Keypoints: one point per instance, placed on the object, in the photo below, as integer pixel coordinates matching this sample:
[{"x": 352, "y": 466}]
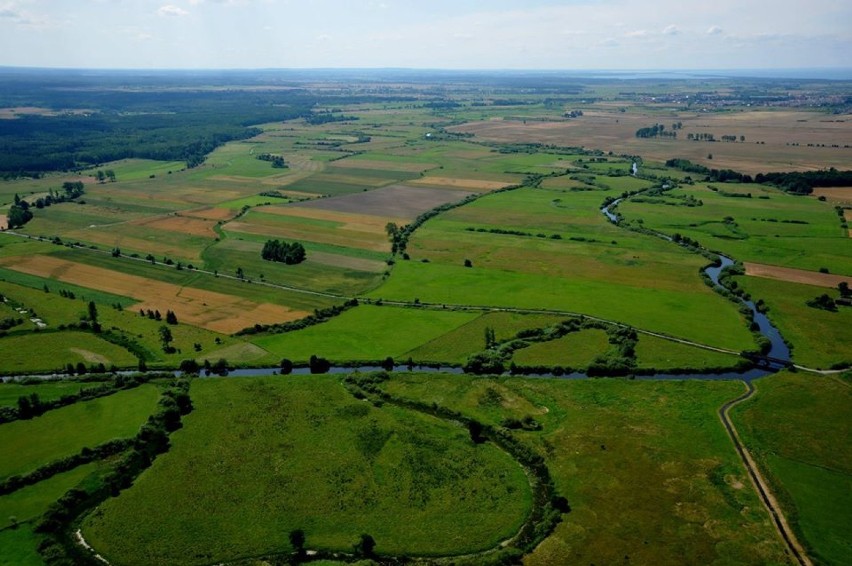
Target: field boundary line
[{"x": 779, "y": 520}]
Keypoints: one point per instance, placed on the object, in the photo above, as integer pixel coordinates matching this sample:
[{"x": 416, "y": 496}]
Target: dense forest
[{"x": 92, "y": 120}]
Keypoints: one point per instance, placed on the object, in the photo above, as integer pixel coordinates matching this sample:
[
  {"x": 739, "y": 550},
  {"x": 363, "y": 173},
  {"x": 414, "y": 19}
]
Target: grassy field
[
  {"x": 797, "y": 428},
  {"x": 770, "y": 227},
  {"x": 18, "y": 547},
  {"x": 63, "y": 432},
  {"x": 662, "y": 354},
  {"x": 25, "y": 353},
  {"x": 646, "y": 466},
  {"x": 455, "y": 346},
  {"x": 366, "y": 333},
  {"x": 300, "y": 452},
  {"x": 820, "y": 338},
  {"x": 30, "y": 502},
  {"x": 46, "y": 391},
  {"x": 576, "y": 350},
  {"x": 603, "y": 271}
]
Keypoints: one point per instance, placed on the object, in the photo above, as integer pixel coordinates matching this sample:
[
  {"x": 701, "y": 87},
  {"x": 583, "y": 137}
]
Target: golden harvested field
[
  {"x": 411, "y": 167},
  {"x": 615, "y": 131},
  {"x": 841, "y": 195},
  {"x": 349, "y": 221},
  {"x": 181, "y": 224},
  {"x": 212, "y": 213},
  {"x": 456, "y": 183},
  {"x": 206, "y": 309},
  {"x": 795, "y": 275},
  {"x": 395, "y": 201}
]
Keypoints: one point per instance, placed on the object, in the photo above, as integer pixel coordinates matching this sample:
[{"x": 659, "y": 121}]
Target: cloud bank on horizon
[{"x": 459, "y": 34}]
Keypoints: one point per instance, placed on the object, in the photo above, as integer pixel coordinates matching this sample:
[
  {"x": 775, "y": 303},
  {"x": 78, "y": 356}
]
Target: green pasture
[
  {"x": 820, "y": 338},
  {"x": 245, "y": 251},
  {"x": 797, "y": 428},
  {"x": 47, "y": 390},
  {"x": 27, "y": 352},
  {"x": 785, "y": 230},
  {"x": 670, "y": 311},
  {"x": 302, "y": 453},
  {"x": 30, "y": 502},
  {"x": 19, "y": 547},
  {"x": 458, "y": 344},
  {"x": 63, "y": 432},
  {"x": 366, "y": 333},
  {"x": 646, "y": 466},
  {"x": 653, "y": 352},
  {"x": 575, "y": 350}
]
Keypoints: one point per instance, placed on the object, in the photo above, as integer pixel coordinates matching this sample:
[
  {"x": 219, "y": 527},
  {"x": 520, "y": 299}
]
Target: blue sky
[{"x": 459, "y": 34}]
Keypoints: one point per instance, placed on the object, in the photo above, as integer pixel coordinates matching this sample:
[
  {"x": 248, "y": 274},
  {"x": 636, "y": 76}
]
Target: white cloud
[
  {"x": 714, "y": 30},
  {"x": 170, "y": 10},
  {"x": 671, "y": 30}
]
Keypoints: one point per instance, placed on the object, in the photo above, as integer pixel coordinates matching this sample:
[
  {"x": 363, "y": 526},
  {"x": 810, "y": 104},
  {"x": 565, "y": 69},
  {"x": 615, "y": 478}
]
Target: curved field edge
[
  {"x": 796, "y": 427},
  {"x": 646, "y": 466},
  {"x": 309, "y": 456}
]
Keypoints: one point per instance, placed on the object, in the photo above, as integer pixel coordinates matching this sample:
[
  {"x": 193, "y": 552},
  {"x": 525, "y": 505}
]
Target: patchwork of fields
[{"x": 442, "y": 235}]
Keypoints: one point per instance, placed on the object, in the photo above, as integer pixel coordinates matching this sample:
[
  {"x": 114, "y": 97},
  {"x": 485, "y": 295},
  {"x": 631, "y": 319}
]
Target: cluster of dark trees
[
  {"x": 319, "y": 316},
  {"x": 319, "y": 118},
  {"x": 276, "y": 250},
  {"x": 797, "y": 182},
  {"x": 10, "y": 322},
  {"x": 657, "y": 130},
  {"x": 276, "y": 160},
  {"x": 803, "y": 182}
]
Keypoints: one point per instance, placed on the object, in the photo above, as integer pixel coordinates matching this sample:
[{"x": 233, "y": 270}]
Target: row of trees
[
  {"x": 276, "y": 250},
  {"x": 657, "y": 130}
]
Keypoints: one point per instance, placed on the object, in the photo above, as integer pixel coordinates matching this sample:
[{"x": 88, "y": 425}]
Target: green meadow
[
  {"x": 63, "y": 432},
  {"x": 797, "y": 428},
  {"x": 309, "y": 456},
  {"x": 366, "y": 332},
  {"x": 639, "y": 461}
]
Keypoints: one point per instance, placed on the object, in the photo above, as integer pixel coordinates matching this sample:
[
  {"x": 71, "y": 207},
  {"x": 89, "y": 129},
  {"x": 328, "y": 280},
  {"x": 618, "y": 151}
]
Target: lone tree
[
  {"x": 297, "y": 541},
  {"x": 171, "y": 317},
  {"x": 365, "y": 546},
  {"x": 843, "y": 287},
  {"x": 166, "y": 339}
]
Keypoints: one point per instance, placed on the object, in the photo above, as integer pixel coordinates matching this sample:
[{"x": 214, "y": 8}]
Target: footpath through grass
[{"x": 797, "y": 427}]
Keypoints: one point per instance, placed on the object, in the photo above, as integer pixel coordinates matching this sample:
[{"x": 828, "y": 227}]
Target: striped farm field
[
  {"x": 181, "y": 224},
  {"x": 395, "y": 201},
  {"x": 357, "y": 222},
  {"x": 206, "y": 309},
  {"x": 460, "y": 183},
  {"x": 373, "y": 164}
]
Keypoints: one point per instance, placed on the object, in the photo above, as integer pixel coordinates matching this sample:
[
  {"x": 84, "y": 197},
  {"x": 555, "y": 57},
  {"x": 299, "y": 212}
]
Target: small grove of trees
[
  {"x": 657, "y": 130},
  {"x": 166, "y": 339},
  {"x": 276, "y": 250},
  {"x": 276, "y": 160},
  {"x": 823, "y": 302}
]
